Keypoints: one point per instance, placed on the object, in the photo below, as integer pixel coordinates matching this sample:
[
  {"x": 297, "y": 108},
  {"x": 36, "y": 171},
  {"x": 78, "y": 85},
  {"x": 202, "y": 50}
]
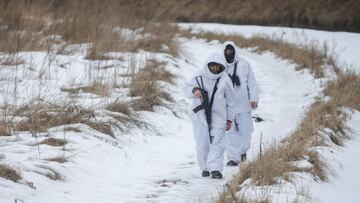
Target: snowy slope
[
  {"x": 343, "y": 162},
  {"x": 149, "y": 166},
  {"x": 160, "y": 166},
  {"x": 344, "y": 44},
  {"x": 345, "y": 185}
]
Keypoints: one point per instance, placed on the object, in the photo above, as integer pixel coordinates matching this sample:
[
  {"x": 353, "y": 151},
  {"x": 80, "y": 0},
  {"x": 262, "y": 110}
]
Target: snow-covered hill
[{"x": 156, "y": 164}]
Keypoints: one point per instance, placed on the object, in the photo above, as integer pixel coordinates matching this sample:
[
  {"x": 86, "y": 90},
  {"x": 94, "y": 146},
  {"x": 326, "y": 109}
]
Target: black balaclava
[{"x": 229, "y": 57}]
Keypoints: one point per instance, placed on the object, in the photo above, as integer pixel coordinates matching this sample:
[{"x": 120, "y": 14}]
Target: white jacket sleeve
[
  {"x": 189, "y": 86},
  {"x": 231, "y": 102},
  {"x": 252, "y": 85}
]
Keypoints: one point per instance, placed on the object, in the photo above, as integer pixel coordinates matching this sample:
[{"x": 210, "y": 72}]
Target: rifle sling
[
  {"x": 213, "y": 93},
  {"x": 234, "y": 74}
]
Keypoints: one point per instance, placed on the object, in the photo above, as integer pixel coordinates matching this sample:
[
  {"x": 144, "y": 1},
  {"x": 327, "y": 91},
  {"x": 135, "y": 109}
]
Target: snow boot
[
  {"x": 216, "y": 175},
  {"x": 205, "y": 174},
  {"x": 231, "y": 163}
]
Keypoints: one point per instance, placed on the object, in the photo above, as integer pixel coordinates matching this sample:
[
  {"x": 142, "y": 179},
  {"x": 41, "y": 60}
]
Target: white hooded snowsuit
[
  {"x": 238, "y": 138},
  {"x": 211, "y": 156}
]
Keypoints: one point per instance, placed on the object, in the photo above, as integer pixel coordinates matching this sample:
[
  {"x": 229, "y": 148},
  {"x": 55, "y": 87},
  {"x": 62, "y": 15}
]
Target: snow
[
  {"x": 345, "y": 185},
  {"x": 158, "y": 164},
  {"x": 148, "y": 166},
  {"x": 345, "y": 45}
]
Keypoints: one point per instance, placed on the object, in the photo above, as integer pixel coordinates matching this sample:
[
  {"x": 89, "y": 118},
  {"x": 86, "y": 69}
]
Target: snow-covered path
[
  {"x": 173, "y": 171},
  {"x": 163, "y": 168}
]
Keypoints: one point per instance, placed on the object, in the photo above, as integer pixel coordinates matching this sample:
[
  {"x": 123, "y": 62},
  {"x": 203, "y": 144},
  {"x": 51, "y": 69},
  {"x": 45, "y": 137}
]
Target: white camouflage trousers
[
  {"x": 210, "y": 156},
  {"x": 238, "y": 140}
]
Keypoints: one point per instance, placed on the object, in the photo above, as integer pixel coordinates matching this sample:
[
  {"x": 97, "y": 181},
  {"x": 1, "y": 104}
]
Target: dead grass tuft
[
  {"x": 119, "y": 107},
  {"x": 5, "y": 128},
  {"x": 8, "y": 173},
  {"x": 54, "y": 176},
  {"x": 40, "y": 117},
  {"x": 74, "y": 129},
  {"x": 59, "y": 158},
  {"x": 54, "y": 142},
  {"x": 320, "y": 115},
  {"x": 345, "y": 89},
  {"x": 320, "y": 168},
  {"x": 96, "y": 88},
  {"x": 161, "y": 38},
  {"x": 144, "y": 84},
  {"x": 102, "y": 127},
  {"x": 11, "y": 61},
  {"x": 268, "y": 168}
]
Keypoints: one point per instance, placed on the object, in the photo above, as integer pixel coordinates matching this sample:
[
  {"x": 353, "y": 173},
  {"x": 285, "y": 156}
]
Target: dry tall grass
[
  {"x": 98, "y": 88},
  {"x": 107, "y": 24},
  {"x": 121, "y": 107},
  {"x": 5, "y": 128},
  {"x": 54, "y": 142},
  {"x": 345, "y": 89},
  {"x": 32, "y": 25},
  {"x": 309, "y": 56},
  {"x": 9, "y": 173},
  {"x": 38, "y": 117},
  {"x": 145, "y": 84},
  {"x": 319, "y": 14},
  {"x": 277, "y": 160},
  {"x": 59, "y": 158}
]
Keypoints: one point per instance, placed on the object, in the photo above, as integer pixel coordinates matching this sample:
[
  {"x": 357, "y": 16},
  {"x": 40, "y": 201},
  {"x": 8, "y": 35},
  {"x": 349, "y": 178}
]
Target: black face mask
[{"x": 230, "y": 57}]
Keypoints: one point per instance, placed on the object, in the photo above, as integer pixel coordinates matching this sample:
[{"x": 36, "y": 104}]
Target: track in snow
[{"x": 153, "y": 168}]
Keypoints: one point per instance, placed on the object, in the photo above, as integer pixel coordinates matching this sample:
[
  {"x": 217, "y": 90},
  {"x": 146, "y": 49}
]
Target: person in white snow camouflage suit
[
  {"x": 209, "y": 132},
  {"x": 238, "y": 138}
]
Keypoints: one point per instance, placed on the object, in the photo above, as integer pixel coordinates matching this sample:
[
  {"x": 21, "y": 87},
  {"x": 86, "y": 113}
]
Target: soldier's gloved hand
[
  {"x": 228, "y": 125},
  {"x": 197, "y": 93}
]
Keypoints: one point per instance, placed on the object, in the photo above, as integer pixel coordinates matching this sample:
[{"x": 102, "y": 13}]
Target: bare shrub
[{"x": 8, "y": 173}]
